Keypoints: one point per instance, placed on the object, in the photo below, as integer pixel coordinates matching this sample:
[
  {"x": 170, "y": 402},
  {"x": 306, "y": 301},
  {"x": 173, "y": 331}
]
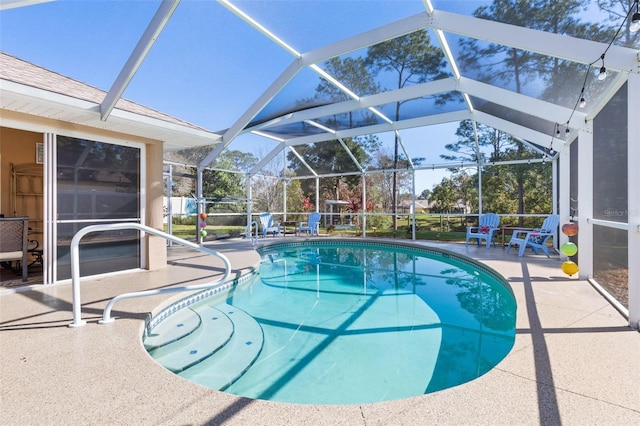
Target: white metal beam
[
  {"x": 253, "y": 110},
  {"x": 484, "y": 118},
  {"x": 382, "y": 128},
  {"x": 524, "y": 38},
  {"x": 149, "y": 37},
  {"x": 261, "y": 28},
  {"x": 556, "y": 45},
  {"x": 522, "y": 103},
  {"x": 302, "y": 160},
  {"x": 389, "y": 97},
  {"x": 353, "y": 158},
  {"x": 446, "y": 50},
  {"x": 368, "y": 38},
  {"x": 12, "y": 4},
  {"x": 525, "y": 104},
  {"x": 404, "y": 149},
  {"x": 513, "y": 129},
  {"x": 604, "y": 98},
  {"x": 314, "y": 67},
  {"x": 267, "y": 158}
]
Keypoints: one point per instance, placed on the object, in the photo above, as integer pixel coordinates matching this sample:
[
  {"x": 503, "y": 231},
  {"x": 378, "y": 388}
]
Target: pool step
[
  {"x": 227, "y": 365},
  {"x": 213, "y": 333},
  {"x": 179, "y": 325}
]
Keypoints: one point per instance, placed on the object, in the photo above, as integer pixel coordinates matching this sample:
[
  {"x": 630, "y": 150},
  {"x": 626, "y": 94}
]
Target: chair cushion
[
  {"x": 11, "y": 255},
  {"x": 537, "y": 238}
]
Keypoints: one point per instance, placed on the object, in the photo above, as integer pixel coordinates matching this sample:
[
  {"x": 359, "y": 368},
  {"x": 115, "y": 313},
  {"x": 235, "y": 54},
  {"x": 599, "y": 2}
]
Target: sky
[{"x": 208, "y": 66}]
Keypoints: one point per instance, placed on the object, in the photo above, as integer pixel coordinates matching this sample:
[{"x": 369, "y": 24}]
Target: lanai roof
[{"x": 282, "y": 51}]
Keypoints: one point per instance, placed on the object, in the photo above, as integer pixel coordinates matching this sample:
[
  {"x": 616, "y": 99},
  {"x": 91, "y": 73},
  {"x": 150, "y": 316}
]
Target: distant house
[{"x": 420, "y": 206}]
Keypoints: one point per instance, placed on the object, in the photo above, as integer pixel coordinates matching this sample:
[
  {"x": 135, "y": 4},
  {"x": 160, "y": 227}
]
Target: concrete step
[
  {"x": 227, "y": 365},
  {"x": 177, "y": 326},
  {"x": 214, "y": 332}
]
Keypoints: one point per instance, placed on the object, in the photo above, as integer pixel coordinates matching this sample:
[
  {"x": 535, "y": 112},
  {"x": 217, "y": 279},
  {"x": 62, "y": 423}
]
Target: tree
[
  {"x": 499, "y": 63},
  {"x": 617, "y": 10},
  {"x": 413, "y": 60},
  {"x": 516, "y": 70},
  {"x": 182, "y": 176},
  {"x": 444, "y": 196},
  {"x": 330, "y": 157},
  {"x": 557, "y": 80},
  {"x": 295, "y": 196},
  {"x": 505, "y": 189},
  {"x": 216, "y": 183},
  {"x": 425, "y": 194},
  {"x": 353, "y": 74},
  {"x": 385, "y": 182},
  {"x": 224, "y": 184}
]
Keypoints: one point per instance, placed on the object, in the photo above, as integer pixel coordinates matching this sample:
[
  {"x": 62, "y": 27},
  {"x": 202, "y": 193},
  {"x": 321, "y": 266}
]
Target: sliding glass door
[{"x": 97, "y": 183}]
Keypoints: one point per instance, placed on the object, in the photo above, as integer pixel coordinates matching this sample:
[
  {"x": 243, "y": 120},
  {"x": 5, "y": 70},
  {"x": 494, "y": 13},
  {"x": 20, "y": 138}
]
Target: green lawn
[
  {"x": 427, "y": 228},
  {"x": 188, "y": 232}
]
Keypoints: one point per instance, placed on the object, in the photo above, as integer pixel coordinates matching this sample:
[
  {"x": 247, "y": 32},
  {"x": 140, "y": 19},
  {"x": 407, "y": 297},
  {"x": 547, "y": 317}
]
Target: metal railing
[{"x": 106, "y": 317}]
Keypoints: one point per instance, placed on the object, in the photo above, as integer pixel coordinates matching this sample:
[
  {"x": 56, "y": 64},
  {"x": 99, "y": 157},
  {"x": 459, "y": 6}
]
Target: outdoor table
[{"x": 291, "y": 224}]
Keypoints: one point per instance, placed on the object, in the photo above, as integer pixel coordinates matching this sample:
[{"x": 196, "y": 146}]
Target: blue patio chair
[
  {"x": 311, "y": 226},
  {"x": 488, "y": 224},
  {"x": 536, "y": 239},
  {"x": 266, "y": 220}
]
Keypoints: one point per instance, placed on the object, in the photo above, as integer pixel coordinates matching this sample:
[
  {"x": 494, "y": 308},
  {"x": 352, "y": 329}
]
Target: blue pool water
[{"x": 344, "y": 323}]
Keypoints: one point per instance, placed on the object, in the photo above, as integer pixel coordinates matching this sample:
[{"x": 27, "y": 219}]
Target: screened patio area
[
  {"x": 400, "y": 115},
  {"x": 524, "y": 109},
  {"x": 519, "y": 109}
]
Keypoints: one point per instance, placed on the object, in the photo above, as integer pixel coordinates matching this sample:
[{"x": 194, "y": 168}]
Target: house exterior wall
[
  {"x": 156, "y": 246},
  {"x": 19, "y": 134}
]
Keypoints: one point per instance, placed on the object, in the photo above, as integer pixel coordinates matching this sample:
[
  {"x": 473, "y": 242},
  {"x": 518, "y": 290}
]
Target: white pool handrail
[{"x": 106, "y": 317}]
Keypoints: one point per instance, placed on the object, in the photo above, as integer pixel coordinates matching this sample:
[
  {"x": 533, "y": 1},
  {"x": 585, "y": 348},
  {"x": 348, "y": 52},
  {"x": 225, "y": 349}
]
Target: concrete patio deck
[{"x": 575, "y": 361}]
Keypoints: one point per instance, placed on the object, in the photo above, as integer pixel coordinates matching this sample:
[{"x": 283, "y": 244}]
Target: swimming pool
[{"x": 342, "y": 322}]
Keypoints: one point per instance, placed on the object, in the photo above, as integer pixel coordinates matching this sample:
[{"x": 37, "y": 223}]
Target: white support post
[
  {"x": 169, "y": 203},
  {"x": 284, "y": 199},
  {"x": 199, "y": 207},
  {"x": 50, "y": 236},
  {"x": 413, "y": 204},
  {"x": 585, "y": 202},
  {"x": 633, "y": 198},
  {"x": 317, "y": 194},
  {"x": 479, "y": 167},
  {"x": 284, "y": 185},
  {"x": 563, "y": 200},
  {"x": 479, "y": 190},
  {"x": 364, "y": 204},
  {"x": 554, "y": 202},
  {"x": 249, "y": 200}
]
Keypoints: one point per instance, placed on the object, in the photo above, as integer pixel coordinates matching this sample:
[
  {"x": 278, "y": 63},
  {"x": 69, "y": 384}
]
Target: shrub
[{"x": 379, "y": 222}]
